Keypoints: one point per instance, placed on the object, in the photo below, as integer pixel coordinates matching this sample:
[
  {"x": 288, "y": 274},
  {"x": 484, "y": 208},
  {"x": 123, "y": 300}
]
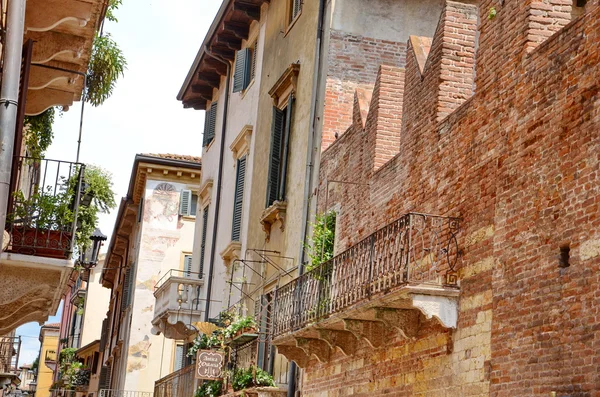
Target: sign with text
[{"x": 209, "y": 364}]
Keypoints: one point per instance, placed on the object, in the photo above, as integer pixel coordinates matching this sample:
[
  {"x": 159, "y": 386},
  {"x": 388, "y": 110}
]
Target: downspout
[
  {"x": 310, "y": 160},
  {"x": 213, "y": 245},
  {"x": 9, "y": 98}
]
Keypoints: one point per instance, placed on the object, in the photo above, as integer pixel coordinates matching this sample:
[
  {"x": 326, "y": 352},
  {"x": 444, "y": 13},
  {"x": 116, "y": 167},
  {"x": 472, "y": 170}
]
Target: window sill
[
  {"x": 245, "y": 91},
  {"x": 231, "y": 252},
  {"x": 209, "y": 145},
  {"x": 271, "y": 215},
  {"x": 189, "y": 218},
  {"x": 292, "y": 23}
]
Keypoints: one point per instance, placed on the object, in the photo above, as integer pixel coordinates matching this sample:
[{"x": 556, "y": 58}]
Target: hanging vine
[
  {"x": 107, "y": 64},
  {"x": 39, "y": 133}
]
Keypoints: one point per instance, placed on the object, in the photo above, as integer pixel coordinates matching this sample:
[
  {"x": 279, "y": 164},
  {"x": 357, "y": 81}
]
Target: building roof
[
  {"x": 52, "y": 325},
  {"x": 171, "y": 156}
]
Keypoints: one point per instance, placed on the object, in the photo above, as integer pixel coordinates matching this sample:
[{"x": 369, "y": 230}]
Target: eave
[{"x": 224, "y": 38}]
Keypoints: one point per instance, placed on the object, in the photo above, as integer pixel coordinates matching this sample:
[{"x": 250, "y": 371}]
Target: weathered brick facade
[{"x": 513, "y": 150}]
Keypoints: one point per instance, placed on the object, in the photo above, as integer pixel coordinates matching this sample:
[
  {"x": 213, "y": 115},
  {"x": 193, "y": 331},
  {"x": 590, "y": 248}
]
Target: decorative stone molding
[
  {"x": 343, "y": 340},
  {"x": 271, "y": 215},
  {"x": 206, "y": 193},
  {"x": 374, "y": 332},
  {"x": 241, "y": 144},
  {"x": 443, "y": 308},
  {"x": 285, "y": 85},
  {"x": 231, "y": 252},
  {"x": 41, "y": 16},
  {"x": 404, "y": 320}
]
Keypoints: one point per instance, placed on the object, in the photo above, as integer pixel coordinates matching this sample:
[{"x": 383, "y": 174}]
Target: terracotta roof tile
[
  {"x": 54, "y": 325},
  {"x": 171, "y": 156}
]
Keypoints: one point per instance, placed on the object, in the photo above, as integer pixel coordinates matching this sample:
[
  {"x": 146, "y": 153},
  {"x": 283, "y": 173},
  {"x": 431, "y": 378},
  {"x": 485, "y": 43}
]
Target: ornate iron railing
[
  {"x": 43, "y": 207},
  {"x": 415, "y": 249},
  {"x": 178, "y": 383}
]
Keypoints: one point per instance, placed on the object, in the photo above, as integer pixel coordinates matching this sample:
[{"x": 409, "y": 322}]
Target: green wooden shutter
[
  {"x": 243, "y": 68},
  {"x": 185, "y": 202},
  {"x": 297, "y": 7},
  {"x": 104, "y": 334},
  {"x": 187, "y": 265},
  {"x": 275, "y": 157},
  {"x": 203, "y": 241},
  {"x": 210, "y": 121},
  {"x": 238, "y": 199}
]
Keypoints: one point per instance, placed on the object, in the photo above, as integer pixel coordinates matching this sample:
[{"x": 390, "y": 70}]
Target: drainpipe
[
  {"x": 9, "y": 98},
  {"x": 310, "y": 162},
  {"x": 213, "y": 245}
]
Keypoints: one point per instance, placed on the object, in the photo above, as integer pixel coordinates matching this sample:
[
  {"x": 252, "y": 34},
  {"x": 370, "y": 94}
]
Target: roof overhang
[{"x": 224, "y": 38}]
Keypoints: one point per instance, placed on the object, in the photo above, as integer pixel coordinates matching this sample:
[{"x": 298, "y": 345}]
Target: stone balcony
[
  {"x": 176, "y": 304},
  {"x": 391, "y": 282}
]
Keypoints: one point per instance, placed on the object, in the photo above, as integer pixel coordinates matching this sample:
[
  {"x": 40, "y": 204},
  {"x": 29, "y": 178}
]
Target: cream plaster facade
[{"x": 96, "y": 304}]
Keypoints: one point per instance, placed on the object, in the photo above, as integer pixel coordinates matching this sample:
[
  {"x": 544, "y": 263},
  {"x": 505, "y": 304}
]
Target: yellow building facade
[{"x": 49, "y": 335}]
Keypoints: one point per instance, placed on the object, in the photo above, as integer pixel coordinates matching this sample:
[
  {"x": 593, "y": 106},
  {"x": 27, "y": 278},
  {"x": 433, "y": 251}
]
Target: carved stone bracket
[
  {"x": 318, "y": 347},
  {"x": 344, "y": 340},
  {"x": 374, "y": 332},
  {"x": 241, "y": 144},
  {"x": 405, "y": 320},
  {"x": 294, "y": 354},
  {"x": 443, "y": 308},
  {"x": 271, "y": 215}
]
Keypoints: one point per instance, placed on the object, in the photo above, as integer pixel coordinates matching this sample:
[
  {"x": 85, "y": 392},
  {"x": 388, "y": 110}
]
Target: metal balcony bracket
[
  {"x": 374, "y": 332},
  {"x": 404, "y": 320},
  {"x": 343, "y": 340},
  {"x": 294, "y": 354},
  {"x": 317, "y": 347},
  {"x": 443, "y": 308}
]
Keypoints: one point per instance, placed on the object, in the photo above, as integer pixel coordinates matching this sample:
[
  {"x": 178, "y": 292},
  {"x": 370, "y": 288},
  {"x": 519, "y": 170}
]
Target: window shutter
[
  {"x": 238, "y": 199},
  {"x": 141, "y": 210},
  {"x": 254, "y": 56},
  {"x": 104, "y": 335},
  {"x": 125, "y": 294},
  {"x": 105, "y": 375},
  {"x": 203, "y": 241},
  {"x": 243, "y": 65},
  {"x": 210, "y": 121},
  {"x": 178, "y": 357},
  {"x": 275, "y": 157},
  {"x": 185, "y": 202},
  {"x": 187, "y": 265},
  {"x": 297, "y": 6}
]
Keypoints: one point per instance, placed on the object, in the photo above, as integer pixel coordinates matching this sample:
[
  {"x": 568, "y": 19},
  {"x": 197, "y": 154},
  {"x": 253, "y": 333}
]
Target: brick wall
[
  {"x": 353, "y": 63},
  {"x": 519, "y": 163}
]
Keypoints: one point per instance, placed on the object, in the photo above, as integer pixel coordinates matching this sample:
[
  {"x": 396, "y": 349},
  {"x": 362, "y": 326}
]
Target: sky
[{"x": 160, "y": 39}]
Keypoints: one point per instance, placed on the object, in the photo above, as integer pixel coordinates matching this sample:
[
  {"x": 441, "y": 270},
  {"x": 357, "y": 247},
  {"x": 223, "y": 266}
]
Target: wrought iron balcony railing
[
  {"x": 43, "y": 207},
  {"x": 417, "y": 249},
  {"x": 178, "y": 383}
]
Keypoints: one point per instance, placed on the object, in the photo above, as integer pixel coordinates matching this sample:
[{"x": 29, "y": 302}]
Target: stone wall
[{"x": 518, "y": 162}]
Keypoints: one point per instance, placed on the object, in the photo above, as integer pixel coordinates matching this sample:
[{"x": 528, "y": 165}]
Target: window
[
  {"x": 187, "y": 265},
  {"x": 188, "y": 203},
  {"x": 179, "y": 357},
  {"x": 203, "y": 241},
  {"x": 280, "y": 135},
  {"x": 245, "y": 68},
  {"x": 210, "y": 121},
  {"x": 295, "y": 8},
  {"x": 240, "y": 177}
]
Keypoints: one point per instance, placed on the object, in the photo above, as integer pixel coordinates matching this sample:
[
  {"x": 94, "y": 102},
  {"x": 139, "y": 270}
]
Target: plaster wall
[
  {"x": 45, "y": 373},
  {"x": 96, "y": 305},
  {"x": 242, "y": 112},
  {"x": 164, "y": 237}
]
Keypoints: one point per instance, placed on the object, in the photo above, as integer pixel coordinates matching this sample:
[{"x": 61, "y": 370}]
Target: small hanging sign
[{"x": 209, "y": 364}]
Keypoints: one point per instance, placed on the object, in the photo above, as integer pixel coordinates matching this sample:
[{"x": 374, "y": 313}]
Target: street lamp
[{"x": 88, "y": 259}]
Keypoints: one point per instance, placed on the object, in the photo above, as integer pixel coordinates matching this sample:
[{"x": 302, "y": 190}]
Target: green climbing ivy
[
  {"x": 321, "y": 244},
  {"x": 39, "y": 133},
  {"x": 107, "y": 65}
]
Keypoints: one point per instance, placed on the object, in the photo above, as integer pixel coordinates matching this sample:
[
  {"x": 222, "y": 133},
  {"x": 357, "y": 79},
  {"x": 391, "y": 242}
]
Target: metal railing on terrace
[
  {"x": 417, "y": 249},
  {"x": 176, "y": 384},
  {"x": 43, "y": 207}
]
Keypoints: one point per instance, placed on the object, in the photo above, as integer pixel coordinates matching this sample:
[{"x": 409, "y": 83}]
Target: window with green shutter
[
  {"x": 243, "y": 69},
  {"x": 295, "y": 8},
  {"x": 203, "y": 241},
  {"x": 210, "y": 121},
  {"x": 238, "y": 199},
  {"x": 280, "y": 135},
  {"x": 187, "y": 265}
]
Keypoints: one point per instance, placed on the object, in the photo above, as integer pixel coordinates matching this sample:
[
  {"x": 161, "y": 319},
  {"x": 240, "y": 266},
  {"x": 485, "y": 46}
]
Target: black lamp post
[{"x": 89, "y": 258}]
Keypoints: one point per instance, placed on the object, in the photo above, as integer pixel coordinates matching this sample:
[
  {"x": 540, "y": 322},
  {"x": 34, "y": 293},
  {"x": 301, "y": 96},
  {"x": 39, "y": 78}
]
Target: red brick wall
[
  {"x": 353, "y": 63},
  {"x": 519, "y": 162}
]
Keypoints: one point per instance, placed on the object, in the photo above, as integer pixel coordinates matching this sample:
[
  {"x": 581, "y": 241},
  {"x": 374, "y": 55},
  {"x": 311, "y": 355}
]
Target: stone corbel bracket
[
  {"x": 404, "y": 320},
  {"x": 443, "y": 308},
  {"x": 317, "y": 347},
  {"x": 346, "y": 341},
  {"x": 44, "y": 15},
  {"x": 294, "y": 354},
  {"x": 374, "y": 332},
  {"x": 231, "y": 252},
  {"x": 271, "y": 215}
]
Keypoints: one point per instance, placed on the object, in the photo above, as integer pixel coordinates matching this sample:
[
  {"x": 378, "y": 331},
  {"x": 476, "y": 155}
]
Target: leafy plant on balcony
[
  {"x": 43, "y": 210},
  {"x": 244, "y": 378},
  {"x": 204, "y": 341},
  {"x": 211, "y": 388},
  {"x": 107, "y": 65},
  {"x": 239, "y": 324},
  {"x": 39, "y": 134},
  {"x": 321, "y": 244}
]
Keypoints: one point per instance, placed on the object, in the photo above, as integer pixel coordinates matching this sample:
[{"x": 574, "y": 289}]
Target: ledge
[
  {"x": 287, "y": 81},
  {"x": 231, "y": 252},
  {"x": 241, "y": 144},
  {"x": 205, "y": 193},
  {"x": 271, "y": 215}
]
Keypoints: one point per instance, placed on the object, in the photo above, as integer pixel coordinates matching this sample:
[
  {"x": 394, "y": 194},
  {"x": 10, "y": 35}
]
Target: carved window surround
[
  {"x": 287, "y": 83},
  {"x": 231, "y": 252},
  {"x": 241, "y": 144},
  {"x": 271, "y": 215},
  {"x": 206, "y": 193}
]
